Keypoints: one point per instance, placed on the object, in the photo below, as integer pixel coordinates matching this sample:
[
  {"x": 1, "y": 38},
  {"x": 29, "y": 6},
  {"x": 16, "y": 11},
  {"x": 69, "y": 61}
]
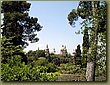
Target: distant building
[
  {"x": 54, "y": 51},
  {"x": 47, "y": 50},
  {"x": 38, "y": 49},
  {"x": 74, "y": 53},
  {"x": 63, "y": 50}
]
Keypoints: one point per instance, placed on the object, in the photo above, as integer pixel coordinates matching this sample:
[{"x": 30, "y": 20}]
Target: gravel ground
[{"x": 72, "y": 77}]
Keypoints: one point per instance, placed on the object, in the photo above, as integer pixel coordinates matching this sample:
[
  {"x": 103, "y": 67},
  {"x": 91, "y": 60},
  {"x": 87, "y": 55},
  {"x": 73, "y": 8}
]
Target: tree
[
  {"x": 101, "y": 59},
  {"x": 17, "y": 27},
  {"x": 78, "y": 56},
  {"x": 8, "y": 51},
  {"x": 34, "y": 55},
  {"x": 51, "y": 67},
  {"x": 90, "y": 73},
  {"x": 18, "y": 23},
  {"x": 85, "y": 46},
  {"x": 42, "y": 61},
  {"x": 40, "y": 53},
  {"x": 93, "y": 14}
]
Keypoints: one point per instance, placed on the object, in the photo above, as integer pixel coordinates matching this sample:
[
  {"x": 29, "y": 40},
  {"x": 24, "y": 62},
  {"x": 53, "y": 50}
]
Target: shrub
[
  {"x": 51, "y": 67},
  {"x": 26, "y": 73}
]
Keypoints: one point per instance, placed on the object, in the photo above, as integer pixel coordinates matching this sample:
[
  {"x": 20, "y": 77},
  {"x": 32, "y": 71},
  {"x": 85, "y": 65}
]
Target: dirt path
[{"x": 71, "y": 77}]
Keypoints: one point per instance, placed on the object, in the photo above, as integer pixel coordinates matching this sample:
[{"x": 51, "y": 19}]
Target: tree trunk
[
  {"x": 90, "y": 71},
  {"x": 91, "y": 64}
]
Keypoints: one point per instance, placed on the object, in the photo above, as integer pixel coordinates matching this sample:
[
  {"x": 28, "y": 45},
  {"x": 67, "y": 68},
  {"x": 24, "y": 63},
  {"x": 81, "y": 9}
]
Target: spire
[
  {"x": 62, "y": 45},
  {"x": 47, "y": 46},
  {"x": 47, "y": 49},
  {"x": 63, "y": 51},
  {"x": 54, "y": 50},
  {"x": 38, "y": 48},
  {"x": 65, "y": 46}
]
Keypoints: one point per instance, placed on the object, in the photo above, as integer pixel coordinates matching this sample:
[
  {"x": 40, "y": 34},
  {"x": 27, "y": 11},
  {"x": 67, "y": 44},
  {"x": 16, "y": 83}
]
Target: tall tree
[
  {"x": 91, "y": 13},
  {"x": 101, "y": 61},
  {"x": 17, "y": 28},
  {"x": 18, "y": 23},
  {"x": 85, "y": 46},
  {"x": 91, "y": 64},
  {"x": 78, "y": 56}
]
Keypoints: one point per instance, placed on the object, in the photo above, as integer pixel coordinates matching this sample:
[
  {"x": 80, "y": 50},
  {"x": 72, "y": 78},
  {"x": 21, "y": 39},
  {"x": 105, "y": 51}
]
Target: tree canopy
[
  {"x": 18, "y": 24},
  {"x": 94, "y": 15}
]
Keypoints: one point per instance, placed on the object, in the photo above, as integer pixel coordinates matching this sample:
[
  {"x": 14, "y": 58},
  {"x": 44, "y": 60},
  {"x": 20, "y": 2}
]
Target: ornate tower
[
  {"x": 63, "y": 50},
  {"x": 47, "y": 49},
  {"x": 38, "y": 49},
  {"x": 54, "y": 50}
]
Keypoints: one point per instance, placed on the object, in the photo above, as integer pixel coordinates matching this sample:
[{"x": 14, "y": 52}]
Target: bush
[
  {"x": 42, "y": 61},
  {"x": 51, "y": 67},
  {"x": 26, "y": 73},
  {"x": 71, "y": 69},
  {"x": 14, "y": 70}
]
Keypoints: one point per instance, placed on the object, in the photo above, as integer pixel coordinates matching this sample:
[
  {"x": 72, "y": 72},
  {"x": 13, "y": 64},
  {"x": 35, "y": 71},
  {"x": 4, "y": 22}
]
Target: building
[
  {"x": 47, "y": 50},
  {"x": 63, "y": 50}
]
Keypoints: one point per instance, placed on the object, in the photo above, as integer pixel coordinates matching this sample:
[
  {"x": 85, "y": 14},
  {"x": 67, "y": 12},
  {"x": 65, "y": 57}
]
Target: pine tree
[
  {"x": 18, "y": 23},
  {"x": 17, "y": 28}
]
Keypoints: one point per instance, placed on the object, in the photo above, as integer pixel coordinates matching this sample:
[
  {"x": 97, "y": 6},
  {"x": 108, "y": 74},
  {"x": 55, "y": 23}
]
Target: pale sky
[{"x": 56, "y": 31}]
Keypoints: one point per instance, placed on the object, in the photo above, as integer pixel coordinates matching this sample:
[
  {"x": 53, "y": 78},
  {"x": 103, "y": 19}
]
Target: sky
[{"x": 56, "y": 31}]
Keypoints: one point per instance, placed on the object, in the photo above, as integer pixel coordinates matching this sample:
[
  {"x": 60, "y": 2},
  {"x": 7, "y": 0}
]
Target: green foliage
[
  {"x": 26, "y": 73},
  {"x": 34, "y": 55},
  {"x": 73, "y": 16},
  {"x": 18, "y": 23},
  {"x": 59, "y": 59},
  {"x": 85, "y": 9},
  {"x": 54, "y": 59},
  {"x": 8, "y": 51},
  {"x": 42, "y": 61},
  {"x": 78, "y": 56},
  {"x": 94, "y": 15},
  {"x": 51, "y": 67},
  {"x": 71, "y": 69},
  {"x": 40, "y": 53},
  {"x": 14, "y": 70},
  {"x": 102, "y": 17},
  {"x": 18, "y": 28},
  {"x": 86, "y": 45},
  {"x": 49, "y": 76}
]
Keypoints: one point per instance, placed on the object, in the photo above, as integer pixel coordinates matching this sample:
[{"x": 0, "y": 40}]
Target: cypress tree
[
  {"x": 85, "y": 46},
  {"x": 78, "y": 56}
]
